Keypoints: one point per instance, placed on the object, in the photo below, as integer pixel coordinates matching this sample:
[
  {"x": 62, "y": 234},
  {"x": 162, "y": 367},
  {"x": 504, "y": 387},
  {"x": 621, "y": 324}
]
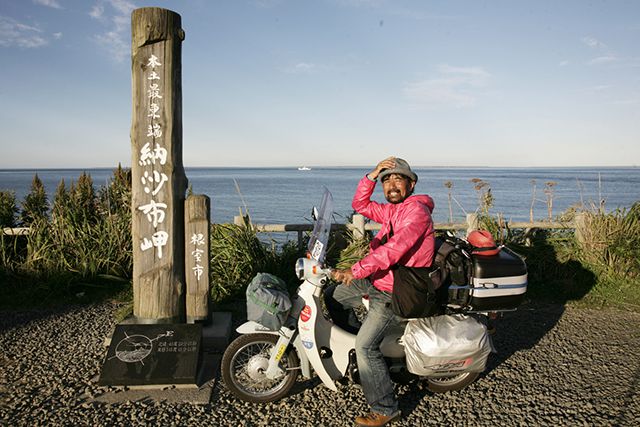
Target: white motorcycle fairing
[{"x": 326, "y": 345}]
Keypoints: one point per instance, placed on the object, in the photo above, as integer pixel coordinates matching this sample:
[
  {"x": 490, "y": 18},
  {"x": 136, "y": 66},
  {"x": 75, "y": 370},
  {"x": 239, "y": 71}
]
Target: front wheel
[
  {"x": 245, "y": 362},
  {"x": 451, "y": 383}
]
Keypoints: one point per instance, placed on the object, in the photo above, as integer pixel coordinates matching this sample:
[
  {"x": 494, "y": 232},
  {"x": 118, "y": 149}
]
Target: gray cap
[{"x": 402, "y": 168}]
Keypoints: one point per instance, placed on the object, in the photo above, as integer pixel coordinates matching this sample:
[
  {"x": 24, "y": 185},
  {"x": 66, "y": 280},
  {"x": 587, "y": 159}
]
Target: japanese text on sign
[
  {"x": 153, "y": 156},
  {"x": 197, "y": 239}
]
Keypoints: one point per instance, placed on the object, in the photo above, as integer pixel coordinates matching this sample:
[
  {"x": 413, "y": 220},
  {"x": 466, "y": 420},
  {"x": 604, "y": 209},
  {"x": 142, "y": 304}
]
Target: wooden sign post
[
  {"x": 158, "y": 179},
  {"x": 197, "y": 222}
]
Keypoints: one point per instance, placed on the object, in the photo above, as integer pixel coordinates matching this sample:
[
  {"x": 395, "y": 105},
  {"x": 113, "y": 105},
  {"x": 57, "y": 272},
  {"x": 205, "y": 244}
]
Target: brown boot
[{"x": 373, "y": 419}]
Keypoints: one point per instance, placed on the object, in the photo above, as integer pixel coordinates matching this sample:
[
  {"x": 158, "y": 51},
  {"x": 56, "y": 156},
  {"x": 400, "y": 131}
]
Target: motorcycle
[{"x": 262, "y": 365}]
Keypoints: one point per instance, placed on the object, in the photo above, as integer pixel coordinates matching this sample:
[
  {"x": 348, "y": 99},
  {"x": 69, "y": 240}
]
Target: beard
[{"x": 395, "y": 197}]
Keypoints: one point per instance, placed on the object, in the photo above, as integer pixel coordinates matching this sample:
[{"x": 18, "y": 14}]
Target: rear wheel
[
  {"x": 451, "y": 383},
  {"x": 245, "y": 362}
]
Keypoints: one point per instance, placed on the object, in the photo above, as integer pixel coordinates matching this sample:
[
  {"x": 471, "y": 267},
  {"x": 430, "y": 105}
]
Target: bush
[
  {"x": 35, "y": 205},
  {"x": 237, "y": 255},
  {"x": 8, "y": 209},
  {"x": 10, "y": 247},
  {"x": 609, "y": 244},
  {"x": 85, "y": 240}
]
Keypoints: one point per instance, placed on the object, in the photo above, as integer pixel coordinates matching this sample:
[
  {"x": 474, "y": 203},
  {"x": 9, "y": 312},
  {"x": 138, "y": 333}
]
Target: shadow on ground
[{"x": 552, "y": 284}]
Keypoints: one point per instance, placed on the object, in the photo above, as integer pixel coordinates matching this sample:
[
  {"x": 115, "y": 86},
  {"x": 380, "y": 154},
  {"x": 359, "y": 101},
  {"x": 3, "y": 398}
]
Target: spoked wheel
[
  {"x": 245, "y": 362},
  {"x": 451, "y": 383}
]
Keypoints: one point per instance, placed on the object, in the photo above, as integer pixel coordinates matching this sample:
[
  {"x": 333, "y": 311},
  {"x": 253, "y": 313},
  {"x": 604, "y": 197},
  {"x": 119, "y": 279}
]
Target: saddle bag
[
  {"x": 415, "y": 291},
  {"x": 445, "y": 345},
  {"x": 268, "y": 301}
]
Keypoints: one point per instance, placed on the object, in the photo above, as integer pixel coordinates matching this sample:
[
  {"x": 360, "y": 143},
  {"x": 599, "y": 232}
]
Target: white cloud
[
  {"x": 563, "y": 63},
  {"x": 593, "y": 43},
  {"x": 14, "y": 33},
  {"x": 49, "y": 3},
  {"x": 606, "y": 55},
  {"x": 361, "y": 3},
  {"x": 117, "y": 18},
  {"x": 301, "y": 68},
  {"x": 471, "y": 75},
  {"x": 123, "y": 6},
  {"x": 57, "y": 36},
  {"x": 606, "y": 59},
  {"x": 97, "y": 11},
  {"x": 456, "y": 87},
  {"x": 267, "y": 4}
]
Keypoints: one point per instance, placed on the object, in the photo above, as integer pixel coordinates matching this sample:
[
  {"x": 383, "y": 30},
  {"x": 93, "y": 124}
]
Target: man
[{"x": 406, "y": 237}]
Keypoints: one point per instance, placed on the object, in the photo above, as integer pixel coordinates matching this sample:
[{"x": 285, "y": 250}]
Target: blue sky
[{"x": 332, "y": 82}]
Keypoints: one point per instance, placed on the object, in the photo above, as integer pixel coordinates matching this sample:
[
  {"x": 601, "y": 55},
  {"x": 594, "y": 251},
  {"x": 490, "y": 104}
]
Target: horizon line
[{"x": 328, "y": 167}]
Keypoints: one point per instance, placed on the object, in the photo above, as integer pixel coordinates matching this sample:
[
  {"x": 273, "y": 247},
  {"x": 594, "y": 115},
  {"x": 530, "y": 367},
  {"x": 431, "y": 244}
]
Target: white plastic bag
[{"x": 451, "y": 343}]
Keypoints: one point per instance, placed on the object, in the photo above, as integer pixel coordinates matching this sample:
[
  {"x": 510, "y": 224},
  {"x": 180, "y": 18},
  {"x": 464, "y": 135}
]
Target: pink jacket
[{"x": 412, "y": 243}]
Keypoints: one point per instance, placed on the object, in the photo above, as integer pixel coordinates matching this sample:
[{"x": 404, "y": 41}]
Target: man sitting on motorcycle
[{"x": 406, "y": 237}]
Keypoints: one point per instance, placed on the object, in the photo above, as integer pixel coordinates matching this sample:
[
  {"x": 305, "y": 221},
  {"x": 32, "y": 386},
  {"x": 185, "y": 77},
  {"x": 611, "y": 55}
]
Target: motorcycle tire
[
  {"x": 451, "y": 383},
  {"x": 244, "y": 364}
]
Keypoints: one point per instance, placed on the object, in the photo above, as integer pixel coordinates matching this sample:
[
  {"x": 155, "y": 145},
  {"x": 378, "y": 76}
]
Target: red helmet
[{"x": 483, "y": 243}]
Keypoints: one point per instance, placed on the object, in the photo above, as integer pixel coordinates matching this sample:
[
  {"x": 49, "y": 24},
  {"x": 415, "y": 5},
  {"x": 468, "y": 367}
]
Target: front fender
[{"x": 252, "y": 327}]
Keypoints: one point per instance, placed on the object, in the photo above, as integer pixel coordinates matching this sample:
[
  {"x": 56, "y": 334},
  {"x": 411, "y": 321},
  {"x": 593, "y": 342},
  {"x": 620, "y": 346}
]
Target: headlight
[
  {"x": 300, "y": 268},
  {"x": 307, "y": 268}
]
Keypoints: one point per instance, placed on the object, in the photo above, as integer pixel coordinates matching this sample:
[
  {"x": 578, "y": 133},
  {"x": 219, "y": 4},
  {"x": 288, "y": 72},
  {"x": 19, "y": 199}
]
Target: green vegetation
[
  {"x": 80, "y": 249},
  {"x": 596, "y": 265},
  {"x": 80, "y": 252},
  {"x": 8, "y": 209},
  {"x": 237, "y": 255}
]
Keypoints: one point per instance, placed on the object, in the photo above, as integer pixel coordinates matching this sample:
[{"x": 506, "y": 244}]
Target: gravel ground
[{"x": 555, "y": 366}]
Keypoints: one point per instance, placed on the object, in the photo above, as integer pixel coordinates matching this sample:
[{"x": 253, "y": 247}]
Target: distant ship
[{"x": 304, "y": 168}]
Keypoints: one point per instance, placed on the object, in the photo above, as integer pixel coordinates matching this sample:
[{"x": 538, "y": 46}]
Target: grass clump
[
  {"x": 610, "y": 246},
  {"x": 237, "y": 255}
]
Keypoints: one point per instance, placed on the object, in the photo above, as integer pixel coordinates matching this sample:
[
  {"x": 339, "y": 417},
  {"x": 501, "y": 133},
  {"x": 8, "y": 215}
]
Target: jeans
[{"x": 374, "y": 373}]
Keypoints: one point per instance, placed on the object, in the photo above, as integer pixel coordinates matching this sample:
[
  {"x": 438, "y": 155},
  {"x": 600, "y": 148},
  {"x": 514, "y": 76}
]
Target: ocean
[{"x": 286, "y": 195}]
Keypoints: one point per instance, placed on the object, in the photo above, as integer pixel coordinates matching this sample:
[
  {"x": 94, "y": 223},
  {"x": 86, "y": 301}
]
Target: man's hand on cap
[{"x": 388, "y": 163}]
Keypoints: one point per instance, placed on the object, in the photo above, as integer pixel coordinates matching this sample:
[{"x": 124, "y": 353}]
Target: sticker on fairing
[
  {"x": 307, "y": 344},
  {"x": 280, "y": 352},
  {"x": 317, "y": 250},
  {"x": 305, "y": 314}
]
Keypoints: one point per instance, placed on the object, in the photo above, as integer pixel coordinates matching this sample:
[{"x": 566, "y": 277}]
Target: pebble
[{"x": 555, "y": 365}]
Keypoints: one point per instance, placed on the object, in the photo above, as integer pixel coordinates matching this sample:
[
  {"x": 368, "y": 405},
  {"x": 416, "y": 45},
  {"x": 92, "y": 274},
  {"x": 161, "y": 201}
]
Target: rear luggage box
[{"x": 499, "y": 281}]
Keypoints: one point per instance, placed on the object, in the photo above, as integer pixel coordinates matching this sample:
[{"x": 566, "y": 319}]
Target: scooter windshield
[{"x": 320, "y": 236}]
